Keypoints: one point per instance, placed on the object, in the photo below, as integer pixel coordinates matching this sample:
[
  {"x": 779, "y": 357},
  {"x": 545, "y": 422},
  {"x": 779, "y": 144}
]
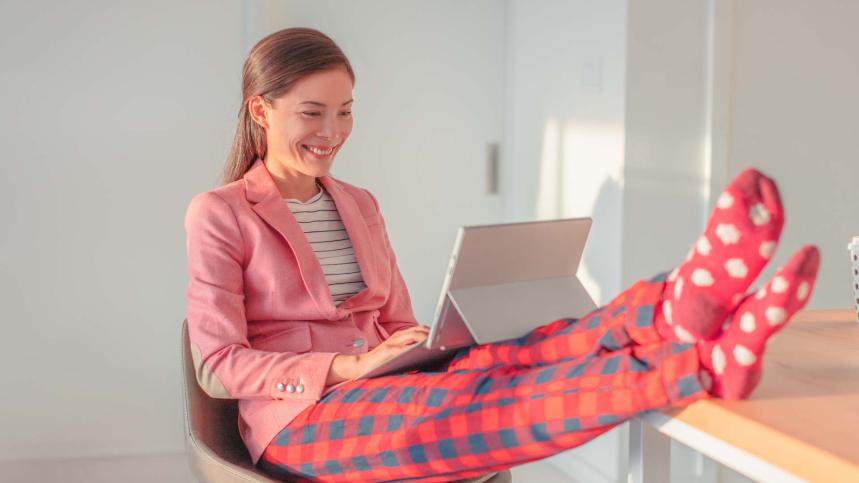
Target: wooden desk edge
[{"x": 774, "y": 447}]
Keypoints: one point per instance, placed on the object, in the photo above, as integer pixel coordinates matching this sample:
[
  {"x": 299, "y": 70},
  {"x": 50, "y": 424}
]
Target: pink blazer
[{"x": 261, "y": 321}]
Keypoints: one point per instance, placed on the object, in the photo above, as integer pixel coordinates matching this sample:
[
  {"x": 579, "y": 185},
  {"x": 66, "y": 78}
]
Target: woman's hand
[
  {"x": 398, "y": 342},
  {"x": 349, "y": 366}
]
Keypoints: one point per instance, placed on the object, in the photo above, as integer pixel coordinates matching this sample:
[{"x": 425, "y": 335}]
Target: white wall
[
  {"x": 665, "y": 174},
  {"x": 564, "y": 148},
  {"x": 793, "y": 108},
  {"x": 565, "y": 116},
  {"x": 113, "y": 116}
]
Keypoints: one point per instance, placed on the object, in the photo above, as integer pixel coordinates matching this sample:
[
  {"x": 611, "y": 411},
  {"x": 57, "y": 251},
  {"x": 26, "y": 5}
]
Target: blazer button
[
  {"x": 290, "y": 388},
  {"x": 299, "y": 389},
  {"x": 357, "y": 342},
  {"x": 280, "y": 386}
]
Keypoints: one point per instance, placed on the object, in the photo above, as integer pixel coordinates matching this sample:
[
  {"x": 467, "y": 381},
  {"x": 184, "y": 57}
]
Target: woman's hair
[{"x": 273, "y": 66}]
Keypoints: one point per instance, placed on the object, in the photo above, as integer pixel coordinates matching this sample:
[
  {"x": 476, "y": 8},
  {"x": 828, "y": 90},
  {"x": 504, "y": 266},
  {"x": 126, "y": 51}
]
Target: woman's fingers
[
  {"x": 418, "y": 329},
  {"x": 409, "y": 336},
  {"x": 414, "y": 336}
]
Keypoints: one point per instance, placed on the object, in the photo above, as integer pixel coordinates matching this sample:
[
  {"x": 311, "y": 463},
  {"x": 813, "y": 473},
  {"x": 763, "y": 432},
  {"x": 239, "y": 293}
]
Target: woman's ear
[{"x": 259, "y": 110}]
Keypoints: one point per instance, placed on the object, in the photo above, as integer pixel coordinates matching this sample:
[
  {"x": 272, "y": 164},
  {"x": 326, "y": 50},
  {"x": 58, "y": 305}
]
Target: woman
[{"x": 294, "y": 290}]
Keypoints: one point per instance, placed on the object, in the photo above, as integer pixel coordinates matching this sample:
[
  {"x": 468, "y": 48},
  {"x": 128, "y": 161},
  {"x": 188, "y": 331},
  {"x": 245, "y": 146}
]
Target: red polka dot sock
[
  {"x": 737, "y": 243},
  {"x": 734, "y": 361}
]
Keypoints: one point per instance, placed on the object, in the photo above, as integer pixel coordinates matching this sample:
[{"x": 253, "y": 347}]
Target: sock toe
[
  {"x": 770, "y": 196},
  {"x": 735, "y": 359},
  {"x": 805, "y": 262},
  {"x": 740, "y": 238}
]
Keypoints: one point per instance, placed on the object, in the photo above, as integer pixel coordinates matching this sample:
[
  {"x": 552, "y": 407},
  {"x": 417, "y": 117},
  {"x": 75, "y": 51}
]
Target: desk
[{"x": 801, "y": 423}]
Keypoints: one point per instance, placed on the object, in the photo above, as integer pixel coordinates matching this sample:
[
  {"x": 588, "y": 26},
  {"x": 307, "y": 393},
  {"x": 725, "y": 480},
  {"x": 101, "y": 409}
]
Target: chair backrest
[{"x": 215, "y": 450}]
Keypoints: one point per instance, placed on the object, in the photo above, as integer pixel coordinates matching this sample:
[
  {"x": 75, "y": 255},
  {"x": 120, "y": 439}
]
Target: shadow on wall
[
  {"x": 580, "y": 175},
  {"x": 600, "y": 276}
]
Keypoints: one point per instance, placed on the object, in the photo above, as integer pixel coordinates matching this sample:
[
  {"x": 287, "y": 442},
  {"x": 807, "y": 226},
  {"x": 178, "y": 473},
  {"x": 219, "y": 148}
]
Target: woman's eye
[
  {"x": 346, "y": 113},
  {"x": 310, "y": 113}
]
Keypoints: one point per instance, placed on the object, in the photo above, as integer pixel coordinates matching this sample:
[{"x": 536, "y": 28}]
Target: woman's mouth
[{"x": 320, "y": 152}]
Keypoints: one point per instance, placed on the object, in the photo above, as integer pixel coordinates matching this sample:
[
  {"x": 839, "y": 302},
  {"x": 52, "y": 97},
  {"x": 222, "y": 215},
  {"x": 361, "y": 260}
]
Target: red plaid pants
[{"x": 494, "y": 405}]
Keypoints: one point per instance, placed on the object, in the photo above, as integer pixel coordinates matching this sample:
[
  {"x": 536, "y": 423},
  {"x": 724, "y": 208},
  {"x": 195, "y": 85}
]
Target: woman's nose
[{"x": 328, "y": 128}]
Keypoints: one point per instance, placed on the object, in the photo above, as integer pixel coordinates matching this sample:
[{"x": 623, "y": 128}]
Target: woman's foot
[
  {"x": 739, "y": 240},
  {"x": 733, "y": 362}
]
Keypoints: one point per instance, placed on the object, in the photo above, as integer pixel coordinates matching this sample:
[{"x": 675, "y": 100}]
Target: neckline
[{"x": 312, "y": 199}]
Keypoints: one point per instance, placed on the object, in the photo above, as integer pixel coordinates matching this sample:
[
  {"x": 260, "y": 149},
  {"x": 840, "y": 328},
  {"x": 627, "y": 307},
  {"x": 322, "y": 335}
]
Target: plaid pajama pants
[{"x": 496, "y": 405}]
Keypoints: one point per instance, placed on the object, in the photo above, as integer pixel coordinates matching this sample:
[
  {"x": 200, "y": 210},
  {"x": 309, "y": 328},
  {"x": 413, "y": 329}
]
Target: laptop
[{"x": 503, "y": 280}]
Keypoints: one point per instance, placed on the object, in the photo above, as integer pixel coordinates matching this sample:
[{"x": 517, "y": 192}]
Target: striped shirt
[{"x": 320, "y": 221}]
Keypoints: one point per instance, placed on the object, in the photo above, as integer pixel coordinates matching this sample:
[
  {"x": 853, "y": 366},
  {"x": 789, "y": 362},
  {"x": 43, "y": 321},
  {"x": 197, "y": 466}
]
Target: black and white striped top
[{"x": 320, "y": 221}]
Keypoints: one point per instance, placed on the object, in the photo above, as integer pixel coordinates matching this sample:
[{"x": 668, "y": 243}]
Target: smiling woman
[
  {"x": 282, "y": 245},
  {"x": 306, "y": 126},
  {"x": 297, "y": 87},
  {"x": 294, "y": 292}
]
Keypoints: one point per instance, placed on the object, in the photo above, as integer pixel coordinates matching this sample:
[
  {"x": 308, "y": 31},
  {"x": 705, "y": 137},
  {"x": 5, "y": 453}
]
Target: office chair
[{"x": 215, "y": 450}]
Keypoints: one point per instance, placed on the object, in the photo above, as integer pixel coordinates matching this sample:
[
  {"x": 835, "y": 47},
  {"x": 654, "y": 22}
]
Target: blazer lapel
[
  {"x": 269, "y": 205},
  {"x": 359, "y": 234}
]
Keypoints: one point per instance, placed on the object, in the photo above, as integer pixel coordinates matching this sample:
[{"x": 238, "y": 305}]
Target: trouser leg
[
  {"x": 626, "y": 320},
  {"x": 440, "y": 426}
]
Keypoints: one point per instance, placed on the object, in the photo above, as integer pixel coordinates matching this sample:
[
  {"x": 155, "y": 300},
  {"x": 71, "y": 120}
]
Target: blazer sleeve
[
  {"x": 397, "y": 312},
  {"x": 225, "y": 364}
]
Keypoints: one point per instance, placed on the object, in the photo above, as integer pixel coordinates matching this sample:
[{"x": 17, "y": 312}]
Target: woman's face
[{"x": 307, "y": 126}]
